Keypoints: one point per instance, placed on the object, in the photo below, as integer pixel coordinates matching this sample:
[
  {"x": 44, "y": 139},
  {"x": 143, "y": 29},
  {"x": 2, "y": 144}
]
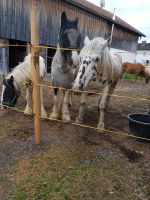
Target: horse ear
[
  {"x": 86, "y": 40},
  {"x": 63, "y": 17}
]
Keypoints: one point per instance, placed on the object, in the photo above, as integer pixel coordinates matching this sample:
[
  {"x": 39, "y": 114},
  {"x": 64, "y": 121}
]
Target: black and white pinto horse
[
  {"x": 11, "y": 88},
  {"x": 97, "y": 63},
  {"x": 63, "y": 66}
]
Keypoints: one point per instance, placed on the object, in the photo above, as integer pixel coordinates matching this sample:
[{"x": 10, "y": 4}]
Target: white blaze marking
[{"x": 75, "y": 58}]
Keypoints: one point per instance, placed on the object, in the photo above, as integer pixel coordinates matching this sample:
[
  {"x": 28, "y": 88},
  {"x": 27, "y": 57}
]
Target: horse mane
[
  {"x": 108, "y": 64},
  {"x": 22, "y": 72},
  {"x": 93, "y": 46}
]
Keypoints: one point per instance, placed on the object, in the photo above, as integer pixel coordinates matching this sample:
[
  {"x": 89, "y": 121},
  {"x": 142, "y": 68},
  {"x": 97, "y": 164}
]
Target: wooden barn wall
[
  {"x": 14, "y": 23},
  {"x": 124, "y": 40}
]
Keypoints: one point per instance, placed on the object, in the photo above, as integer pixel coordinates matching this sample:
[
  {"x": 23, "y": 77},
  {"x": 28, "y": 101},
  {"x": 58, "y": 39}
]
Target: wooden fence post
[{"x": 35, "y": 72}]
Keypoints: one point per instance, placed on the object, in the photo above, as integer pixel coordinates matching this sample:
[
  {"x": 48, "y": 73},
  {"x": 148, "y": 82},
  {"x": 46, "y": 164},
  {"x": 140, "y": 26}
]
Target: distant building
[{"x": 143, "y": 53}]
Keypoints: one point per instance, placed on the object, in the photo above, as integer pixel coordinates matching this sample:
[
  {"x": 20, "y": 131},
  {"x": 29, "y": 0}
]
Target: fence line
[
  {"x": 127, "y": 134},
  {"x": 89, "y": 92},
  {"x": 97, "y": 93},
  {"x": 64, "y": 49}
]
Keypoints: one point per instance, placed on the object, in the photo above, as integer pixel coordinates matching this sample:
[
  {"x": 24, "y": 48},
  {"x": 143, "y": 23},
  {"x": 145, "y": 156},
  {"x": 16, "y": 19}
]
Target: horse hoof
[
  {"x": 54, "y": 115},
  {"x": 66, "y": 118},
  {"x": 44, "y": 114},
  {"x": 79, "y": 120},
  {"x": 101, "y": 128},
  {"x": 28, "y": 111}
]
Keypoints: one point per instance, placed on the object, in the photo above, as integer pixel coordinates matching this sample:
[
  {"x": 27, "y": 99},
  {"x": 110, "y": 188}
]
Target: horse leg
[
  {"x": 55, "y": 111},
  {"x": 43, "y": 112},
  {"x": 99, "y": 100},
  {"x": 102, "y": 108},
  {"x": 111, "y": 90},
  {"x": 136, "y": 77},
  {"x": 79, "y": 118},
  {"x": 28, "y": 108},
  {"x": 65, "y": 109},
  {"x": 60, "y": 101}
]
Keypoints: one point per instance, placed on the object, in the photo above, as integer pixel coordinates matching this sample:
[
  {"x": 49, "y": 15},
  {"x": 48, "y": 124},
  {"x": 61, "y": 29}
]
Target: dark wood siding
[
  {"x": 14, "y": 23},
  {"x": 4, "y": 54}
]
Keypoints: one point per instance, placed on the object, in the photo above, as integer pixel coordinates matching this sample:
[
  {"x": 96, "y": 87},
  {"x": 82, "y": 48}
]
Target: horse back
[{"x": 132, "y": 67}]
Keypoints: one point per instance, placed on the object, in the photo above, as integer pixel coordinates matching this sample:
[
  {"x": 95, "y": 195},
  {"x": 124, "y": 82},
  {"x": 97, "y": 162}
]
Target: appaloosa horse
[
  {"x": 11, "y": 87},
  {"x": 98, "y": 63},
  {"x": 63, "y": 64}
]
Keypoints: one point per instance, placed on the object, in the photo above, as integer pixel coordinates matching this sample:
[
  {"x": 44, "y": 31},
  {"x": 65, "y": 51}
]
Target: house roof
[
  {"x": 90, "y": 7},
  {"x": 143, "y": 46}
]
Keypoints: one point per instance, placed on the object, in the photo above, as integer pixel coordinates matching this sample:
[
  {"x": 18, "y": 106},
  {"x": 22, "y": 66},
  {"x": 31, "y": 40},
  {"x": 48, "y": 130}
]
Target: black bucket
[{"x": 139, "y": 124}]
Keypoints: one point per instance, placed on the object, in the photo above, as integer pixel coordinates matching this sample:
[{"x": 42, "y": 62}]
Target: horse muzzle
[{"x": 10, "y": 103}]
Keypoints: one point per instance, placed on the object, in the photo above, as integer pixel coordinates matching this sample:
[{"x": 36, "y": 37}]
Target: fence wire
[{"x": 128, "y": 134}]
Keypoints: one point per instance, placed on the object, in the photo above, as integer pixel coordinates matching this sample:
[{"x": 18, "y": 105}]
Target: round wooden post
[{"x": 35, "y": 72}]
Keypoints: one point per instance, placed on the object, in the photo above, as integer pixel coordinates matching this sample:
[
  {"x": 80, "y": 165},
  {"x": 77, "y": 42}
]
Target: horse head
[
  {"x": 90, "y": 61},
  {"x": 69, "y": 38},
  {"x": 9, "y": 93}
]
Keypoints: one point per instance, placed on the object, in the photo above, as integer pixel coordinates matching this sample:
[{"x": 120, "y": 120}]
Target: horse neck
[
  {"x": 107, "y": 63},
  {"x": 111, "y": 66},
  {"x": 21, "y": 73}
]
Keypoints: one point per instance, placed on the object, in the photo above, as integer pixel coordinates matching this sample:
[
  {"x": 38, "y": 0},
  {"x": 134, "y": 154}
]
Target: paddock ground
[{"x": 74, "y": 162}]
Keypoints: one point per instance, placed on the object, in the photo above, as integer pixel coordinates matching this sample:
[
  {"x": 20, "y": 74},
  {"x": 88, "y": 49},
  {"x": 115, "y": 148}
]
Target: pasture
[{"x": 74, "y": 162}]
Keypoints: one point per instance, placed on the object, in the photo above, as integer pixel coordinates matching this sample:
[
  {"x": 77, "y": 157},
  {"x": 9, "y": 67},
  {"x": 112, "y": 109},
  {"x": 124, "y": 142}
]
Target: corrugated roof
[
  {"x": 143, "y": 46},
  {"x": 103, "y": 13}
]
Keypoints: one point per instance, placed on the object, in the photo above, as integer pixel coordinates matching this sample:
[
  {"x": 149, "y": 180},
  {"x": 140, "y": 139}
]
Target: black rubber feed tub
[{"x": 139, "y": 124}]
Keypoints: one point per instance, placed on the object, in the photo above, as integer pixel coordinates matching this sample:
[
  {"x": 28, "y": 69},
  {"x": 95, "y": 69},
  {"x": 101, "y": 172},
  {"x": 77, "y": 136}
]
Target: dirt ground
[{"x": 74, "y": 162}]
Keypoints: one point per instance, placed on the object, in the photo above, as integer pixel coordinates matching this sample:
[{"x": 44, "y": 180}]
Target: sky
[{"x": 134, "y": 12}]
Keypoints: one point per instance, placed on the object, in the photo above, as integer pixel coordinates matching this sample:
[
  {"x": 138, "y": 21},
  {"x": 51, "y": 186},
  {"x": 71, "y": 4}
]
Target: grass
[
  {"x": 65, "y": 174},
  {"x": 132, "y": 77}
]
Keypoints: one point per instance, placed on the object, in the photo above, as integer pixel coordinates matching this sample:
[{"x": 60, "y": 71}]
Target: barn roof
[
  {"x": 90, "y": 7},
  {"x": 143, "y": 46}
]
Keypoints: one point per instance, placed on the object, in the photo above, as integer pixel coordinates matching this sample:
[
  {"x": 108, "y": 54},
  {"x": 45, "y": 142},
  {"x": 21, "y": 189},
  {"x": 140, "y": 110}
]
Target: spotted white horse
[
  {"x": 11, "y": 87},
  {"x": 63, "y": 66},
  {"x": 97, "y": 63}
]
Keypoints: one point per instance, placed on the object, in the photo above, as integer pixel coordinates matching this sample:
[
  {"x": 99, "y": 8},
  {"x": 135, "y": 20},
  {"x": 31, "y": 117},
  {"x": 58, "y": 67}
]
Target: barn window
[{"x": 16, "y": 53}]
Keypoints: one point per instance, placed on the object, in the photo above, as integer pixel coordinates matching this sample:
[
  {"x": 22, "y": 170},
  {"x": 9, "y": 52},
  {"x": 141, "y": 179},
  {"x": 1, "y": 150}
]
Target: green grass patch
[{"x": 132, "y": 77}]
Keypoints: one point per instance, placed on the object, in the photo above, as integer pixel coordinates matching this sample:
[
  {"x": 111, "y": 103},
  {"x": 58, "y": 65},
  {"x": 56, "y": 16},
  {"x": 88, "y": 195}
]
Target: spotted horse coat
[{"x": 99, "y": 64}]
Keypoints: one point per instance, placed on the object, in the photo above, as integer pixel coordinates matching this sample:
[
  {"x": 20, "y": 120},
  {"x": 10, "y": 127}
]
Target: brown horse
[{"x": 134, "y": 68}]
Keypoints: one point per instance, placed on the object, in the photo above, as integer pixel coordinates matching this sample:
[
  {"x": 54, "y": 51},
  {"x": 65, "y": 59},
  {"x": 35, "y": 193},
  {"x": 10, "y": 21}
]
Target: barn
[
  {"x": 143, "y": 53},
  {"x": 93, "y": 21}
]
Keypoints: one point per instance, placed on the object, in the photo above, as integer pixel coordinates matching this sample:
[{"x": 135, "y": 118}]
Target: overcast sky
[{"x": 134, "y": 12}]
